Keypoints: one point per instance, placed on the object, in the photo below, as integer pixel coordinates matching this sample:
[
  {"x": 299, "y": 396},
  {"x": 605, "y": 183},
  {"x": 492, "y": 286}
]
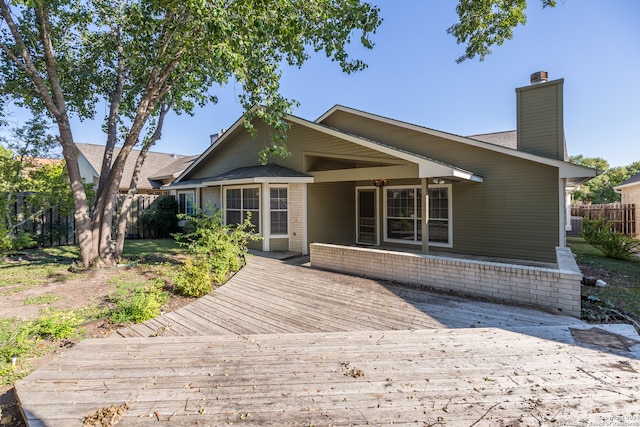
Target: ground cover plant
[
  {"x": 619, "y": 301},
  {"x": 48, "y": 300}
]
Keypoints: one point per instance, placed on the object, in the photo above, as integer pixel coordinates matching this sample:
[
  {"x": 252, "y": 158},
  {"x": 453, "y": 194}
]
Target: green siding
[
  {"x": 540, "y": 120},
  {"x": 331, "y": 213},
  {"x": 241, "y": 150},
  {"x": 280, "y": 244},
  {"x": 514, "y": 213}
]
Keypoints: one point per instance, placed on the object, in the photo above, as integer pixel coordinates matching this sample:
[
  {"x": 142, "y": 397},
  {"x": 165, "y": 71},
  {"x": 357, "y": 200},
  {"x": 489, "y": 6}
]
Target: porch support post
[{"x": 425, "y": 216}]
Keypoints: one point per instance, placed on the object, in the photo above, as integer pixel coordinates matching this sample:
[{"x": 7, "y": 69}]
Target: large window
[
  {"x": 186, "y": 202},
  {"x": 404, "y": 214},
  {"x": 404, "y": 219},
  {"x": 240, "y": 202},
  {"x": 279, "y": 210}
]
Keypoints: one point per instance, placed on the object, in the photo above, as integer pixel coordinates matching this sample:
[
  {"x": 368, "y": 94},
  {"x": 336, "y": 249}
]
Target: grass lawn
[{"x": 620, "y": 299}]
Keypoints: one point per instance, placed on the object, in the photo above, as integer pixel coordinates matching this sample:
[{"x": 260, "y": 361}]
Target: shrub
[
  {"x": 217, "y": 250},
  {"x": 161, "y": 217},
  {"x": 54, "y": 324},
  {"x": 139, "y": 305},
  {"x": 193, "y": 280},
  {"x": 599, "y": 234}
]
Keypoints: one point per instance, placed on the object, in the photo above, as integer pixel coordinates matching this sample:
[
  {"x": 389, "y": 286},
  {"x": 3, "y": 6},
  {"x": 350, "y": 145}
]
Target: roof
[
  {"x": 631, "y": 182},
  {"x": 271, "y": 173},
  {"x": 427, "y": 167},
  {"x": 573, "y": 173},
  {"x": 174, "y": 169},
  {"x": 507, "y": 139},
  {"x": 157, "y": 165}
]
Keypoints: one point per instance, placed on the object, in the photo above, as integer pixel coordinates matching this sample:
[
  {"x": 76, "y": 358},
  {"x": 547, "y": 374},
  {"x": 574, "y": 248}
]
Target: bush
[
  {"x": 139, "y": 305},
  {"x": 217, "y": 250},
  {"x": 55, "y": 324},
  {"x": 162, "y": 217},
  {"x": 599, "y": 234},
  {"x": 193, "y": 280}
]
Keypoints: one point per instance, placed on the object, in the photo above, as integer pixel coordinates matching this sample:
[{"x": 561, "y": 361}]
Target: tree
[
  {"x": 599, "y": 190},
  {"x": 484, "y": 23},
  {"x": 147, "y": 56},
  {"x": 22, "y": 179}
]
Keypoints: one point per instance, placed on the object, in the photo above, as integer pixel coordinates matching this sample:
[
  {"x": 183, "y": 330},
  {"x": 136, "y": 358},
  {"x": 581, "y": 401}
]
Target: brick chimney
[{"x": 540, "y": 118}]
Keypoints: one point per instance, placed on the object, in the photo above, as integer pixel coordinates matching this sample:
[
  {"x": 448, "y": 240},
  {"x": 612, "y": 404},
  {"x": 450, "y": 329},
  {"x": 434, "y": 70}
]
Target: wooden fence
[
  {"x": 52, "y": 228},
  {"x": 621, "y": 217}
]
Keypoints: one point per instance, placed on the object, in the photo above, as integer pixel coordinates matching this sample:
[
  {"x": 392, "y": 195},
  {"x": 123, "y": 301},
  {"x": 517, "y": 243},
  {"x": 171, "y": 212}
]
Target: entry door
[{"x": 367, "y": 219}]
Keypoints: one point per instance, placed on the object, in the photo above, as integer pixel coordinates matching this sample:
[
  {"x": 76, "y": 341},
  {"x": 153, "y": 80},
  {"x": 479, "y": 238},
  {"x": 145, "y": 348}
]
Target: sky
[{"x": 412, "y": 76}]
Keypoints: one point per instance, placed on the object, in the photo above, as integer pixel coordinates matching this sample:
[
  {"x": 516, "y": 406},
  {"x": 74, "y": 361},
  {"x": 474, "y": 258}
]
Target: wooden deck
[
  {"x": 270, "y": 296},
  {"x": 282, "y": 344}
]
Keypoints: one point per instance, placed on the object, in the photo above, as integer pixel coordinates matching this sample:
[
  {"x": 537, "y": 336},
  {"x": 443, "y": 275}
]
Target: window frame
[
  {"x": 449, "y": 220},
  {"x": 417, "y": 216},
  {"x": 187, "y": 193},
  {"x": 286, "y": 210},
  {"x": 242, "y": 209}
]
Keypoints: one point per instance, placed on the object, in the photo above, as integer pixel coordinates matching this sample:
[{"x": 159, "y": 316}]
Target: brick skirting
[{"x": 549, "y": 288}]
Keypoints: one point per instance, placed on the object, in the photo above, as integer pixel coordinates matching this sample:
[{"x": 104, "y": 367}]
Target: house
[
  {"x": 358, "y": 178},
  {"x": 357, "y": 182},
  {"x": 630, "y": 191},
  {"x": 158, "y": 169}
]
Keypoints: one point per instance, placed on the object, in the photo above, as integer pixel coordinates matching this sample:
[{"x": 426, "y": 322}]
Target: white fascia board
[
  {"x": 260, "y": 180},
  {"x": 467, "y": 175},
  {"x": 569, "y": 170},
  {"x": 182, "y": 187},
  {"x": 285, "y": 180}
]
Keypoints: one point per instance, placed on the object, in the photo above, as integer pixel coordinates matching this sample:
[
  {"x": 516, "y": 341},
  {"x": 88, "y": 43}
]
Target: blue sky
[{"x": 412, "y": 76}]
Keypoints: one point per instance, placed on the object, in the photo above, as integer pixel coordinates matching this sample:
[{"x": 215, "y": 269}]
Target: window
[
  {"x": 439, "y": 215},
  {"x": 404, "y": 215},
  {"x": 186, "y": 202},
  {"x": 279, "y": 210},
  {"x": 240, "y": 202}
]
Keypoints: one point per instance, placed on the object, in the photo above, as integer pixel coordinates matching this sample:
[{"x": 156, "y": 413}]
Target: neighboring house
[
  {"x": 356, "y": 178},
  {"x": 630, "y": 191},
  {"x": 158, "y": 169}
]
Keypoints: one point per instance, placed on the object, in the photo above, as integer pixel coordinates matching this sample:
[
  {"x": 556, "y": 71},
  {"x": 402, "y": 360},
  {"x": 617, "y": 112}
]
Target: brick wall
[
  {"x": 631, "y": 195},
  {"x": 296, "y": 218},
  {"x": 556, "y": 289}
]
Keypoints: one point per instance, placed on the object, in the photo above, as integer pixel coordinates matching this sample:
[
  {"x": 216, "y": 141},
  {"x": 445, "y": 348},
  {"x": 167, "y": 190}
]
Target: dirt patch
[{"x": 74, "y": 293}]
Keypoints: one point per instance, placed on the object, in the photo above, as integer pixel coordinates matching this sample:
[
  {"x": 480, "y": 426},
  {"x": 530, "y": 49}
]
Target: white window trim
[
  {"x": 449, "y": 219},
  {"x": 377, "y": 208},
  {"x": 235, "y": 187},
  {"x": 418, "y": 242},
  {"x": 268, "y": 205},
  {"x": 191, "y": 193}
]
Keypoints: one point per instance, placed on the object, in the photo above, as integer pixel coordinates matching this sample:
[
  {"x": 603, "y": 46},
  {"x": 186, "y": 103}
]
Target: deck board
[
  {"x": 340, "y": 378},
  {"x": 285, "y": 345}
]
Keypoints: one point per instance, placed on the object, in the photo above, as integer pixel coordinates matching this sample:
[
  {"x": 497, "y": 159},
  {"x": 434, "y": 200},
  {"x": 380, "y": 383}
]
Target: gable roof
[
  {"x": 573, "y": 173},
  {"x": 157, "y": 166},
  {"x": 427, "y": 167},
  {"x": 507, "y": 139},
  {"x": 631, "y": 182}
]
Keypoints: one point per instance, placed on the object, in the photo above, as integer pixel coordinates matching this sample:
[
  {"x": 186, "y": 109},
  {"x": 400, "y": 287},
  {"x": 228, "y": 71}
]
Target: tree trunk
[
  {"x": 133, "y": 186},
  {"x": 88, "y": 251},
  {"x": 121, "y": 228}
]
